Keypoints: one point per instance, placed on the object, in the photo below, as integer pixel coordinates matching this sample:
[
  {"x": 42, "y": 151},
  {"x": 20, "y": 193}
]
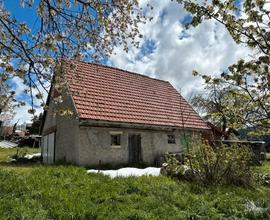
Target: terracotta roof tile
[{"x": 111, "y": 94}]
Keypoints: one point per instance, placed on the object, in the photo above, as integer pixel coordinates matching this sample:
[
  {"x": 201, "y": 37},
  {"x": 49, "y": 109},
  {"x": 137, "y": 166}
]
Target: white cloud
[
  {"x": 22, "y": 114},
  {"x": 207, "y": 48}
]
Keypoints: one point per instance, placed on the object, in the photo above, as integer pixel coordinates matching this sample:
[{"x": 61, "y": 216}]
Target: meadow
[{"x": 35, "y": 191}]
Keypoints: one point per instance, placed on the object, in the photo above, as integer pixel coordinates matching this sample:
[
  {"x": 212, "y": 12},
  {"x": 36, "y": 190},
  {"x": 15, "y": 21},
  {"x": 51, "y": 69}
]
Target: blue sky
[
  {"x": 25, "y": 14},
  {"x": 167, "y": 51}
]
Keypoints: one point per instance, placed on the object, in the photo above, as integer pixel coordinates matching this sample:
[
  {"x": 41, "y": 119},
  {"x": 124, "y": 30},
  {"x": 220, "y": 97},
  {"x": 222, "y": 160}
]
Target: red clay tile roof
[{"x": 111, "y": 94}]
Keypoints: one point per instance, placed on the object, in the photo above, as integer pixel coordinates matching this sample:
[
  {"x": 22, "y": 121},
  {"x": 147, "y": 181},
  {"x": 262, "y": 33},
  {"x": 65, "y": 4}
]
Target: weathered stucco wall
[
  {"x": 66, "y": 145},
  {"x": 67, "y": 133},
  {"x": 50, "y": 120},
  {"x": 95, "y": 145},
  {"x": 66, "y": 130}
]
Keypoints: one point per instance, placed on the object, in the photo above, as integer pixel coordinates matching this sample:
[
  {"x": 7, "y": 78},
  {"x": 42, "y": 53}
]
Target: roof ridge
[{"x": 117, "y": 68}]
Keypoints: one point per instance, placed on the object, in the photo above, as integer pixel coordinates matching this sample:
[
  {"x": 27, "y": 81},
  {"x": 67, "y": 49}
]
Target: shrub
[
  {"x": 223, "y": 164},
  {"x": 176, "y": 169},
  {"x": 172, "y": 167},
  {"x": 213, "y": 165}
]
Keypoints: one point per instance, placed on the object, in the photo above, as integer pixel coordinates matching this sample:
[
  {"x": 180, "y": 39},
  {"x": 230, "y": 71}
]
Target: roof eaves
[{"x": 91, "y": 122}]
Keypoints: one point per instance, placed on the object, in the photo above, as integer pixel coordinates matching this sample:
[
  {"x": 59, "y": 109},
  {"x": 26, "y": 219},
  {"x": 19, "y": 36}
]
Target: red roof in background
[
  {"x": 6, "y": 130},
  {"x": 111, "y": 94}
]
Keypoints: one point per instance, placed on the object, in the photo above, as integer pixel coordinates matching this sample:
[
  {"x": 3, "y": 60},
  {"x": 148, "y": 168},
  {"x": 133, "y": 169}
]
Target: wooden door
[{"x": 135, "y": 148}]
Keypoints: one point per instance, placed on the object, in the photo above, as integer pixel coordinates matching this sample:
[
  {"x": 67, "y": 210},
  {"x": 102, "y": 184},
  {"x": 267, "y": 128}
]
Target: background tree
[
  {"x": 80, "y": 29},
  {"x": 225, "y": 107},
  {"x": 248, "y": 23},
  {"x": 36, "y": 123}
]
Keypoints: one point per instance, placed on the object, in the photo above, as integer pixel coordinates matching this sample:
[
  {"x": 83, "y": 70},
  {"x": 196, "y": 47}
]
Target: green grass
[
  {"x": 5, "y": 153},
  {"x": 68, "y": 192},
  {"x": 59, "y": 192},
  {"x": 265, "y": 168}
]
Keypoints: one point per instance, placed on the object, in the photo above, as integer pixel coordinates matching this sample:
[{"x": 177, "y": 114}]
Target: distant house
[
  {"x": 119, "y": 118},
  {"x": 6, "y": 131}
]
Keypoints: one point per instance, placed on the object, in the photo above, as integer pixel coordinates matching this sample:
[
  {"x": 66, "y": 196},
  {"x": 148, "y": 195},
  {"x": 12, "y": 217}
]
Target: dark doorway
[{"x": 135, "y": 148}]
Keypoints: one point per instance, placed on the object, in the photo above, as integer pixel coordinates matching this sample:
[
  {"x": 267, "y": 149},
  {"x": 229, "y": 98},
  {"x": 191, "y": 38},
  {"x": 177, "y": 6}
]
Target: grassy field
[
  {"x": 68, "y": 192},
  {"x": 265, "y": 168},
  {"x": 6, "y": 152}
]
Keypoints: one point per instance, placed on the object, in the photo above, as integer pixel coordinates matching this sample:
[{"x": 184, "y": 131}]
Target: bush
[
  {"x": 214, "y": 165},
  {"x": 229, "y": 165},
  {"x": 176, "y": 169},
  {"x": 172, "y": 167}
]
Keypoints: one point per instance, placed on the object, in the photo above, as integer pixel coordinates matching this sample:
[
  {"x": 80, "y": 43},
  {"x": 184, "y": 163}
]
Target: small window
[
  {"x": 171, "y": 139},
  {"x": 115, "y": 139}
]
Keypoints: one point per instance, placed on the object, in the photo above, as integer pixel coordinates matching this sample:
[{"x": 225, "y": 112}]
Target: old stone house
[{"x": 118, "y": 117}]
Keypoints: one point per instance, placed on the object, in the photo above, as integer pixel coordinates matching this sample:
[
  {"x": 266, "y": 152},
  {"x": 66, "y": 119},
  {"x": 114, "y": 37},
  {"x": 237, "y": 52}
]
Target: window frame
[
  {"x": 116, "y": 143},
  {"x": 171, "y": 139}
]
